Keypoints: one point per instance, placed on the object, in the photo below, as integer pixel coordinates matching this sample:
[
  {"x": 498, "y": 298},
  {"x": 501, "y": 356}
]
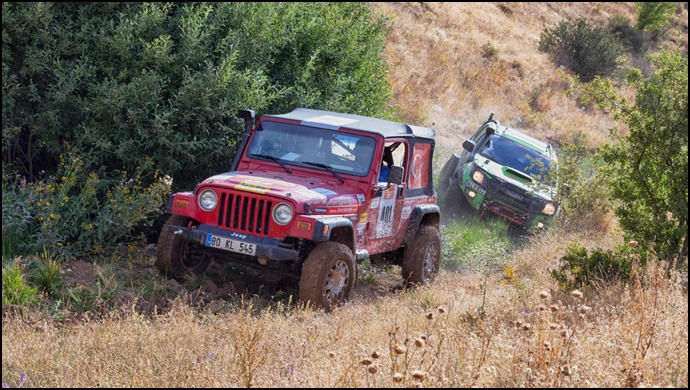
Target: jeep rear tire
[
  {"x": 423, "y": 257},
  {"x": 328, "y": 276},
  {"x": 176, "y": 256}
]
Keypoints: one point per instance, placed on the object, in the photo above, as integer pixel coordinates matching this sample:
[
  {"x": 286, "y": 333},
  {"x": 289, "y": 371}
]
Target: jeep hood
[
  {"x": 314, "y": 195},
  {"x": 513, "y": 176}
]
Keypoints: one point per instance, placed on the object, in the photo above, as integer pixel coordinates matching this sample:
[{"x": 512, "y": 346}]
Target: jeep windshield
[
  {"x": 511, "y": 154},
  {"x": 304, "y": 146}
]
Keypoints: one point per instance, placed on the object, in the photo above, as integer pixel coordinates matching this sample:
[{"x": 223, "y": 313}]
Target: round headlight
[
  {"x": 549, "y": 209},
  {"x": 282, "y": 214},
  {"x": 208, "y": 200},
  {"x": 478, "y": 176}
]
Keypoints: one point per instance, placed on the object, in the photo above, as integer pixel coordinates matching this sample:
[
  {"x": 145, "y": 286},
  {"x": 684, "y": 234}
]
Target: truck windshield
[
  {"x": 299, "y": 145},
  {"x": 511, "y": 154}
]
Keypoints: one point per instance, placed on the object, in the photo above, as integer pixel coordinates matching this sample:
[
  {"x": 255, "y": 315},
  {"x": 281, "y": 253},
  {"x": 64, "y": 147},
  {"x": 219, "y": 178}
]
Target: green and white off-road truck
[{"x": 504, "y": 172}]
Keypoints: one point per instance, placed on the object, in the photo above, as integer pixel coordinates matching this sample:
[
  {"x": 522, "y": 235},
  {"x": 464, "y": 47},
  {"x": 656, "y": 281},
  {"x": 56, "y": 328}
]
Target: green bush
[
  {"x": 583, "y": 47},
  {"x": 77, "y": 213},
  {"x": 119, "y": 85},
  {"x": 583, "y": 193},
  {"x": 630, "y": 37},
  {"x": 131, "y": 81},
  {"x": 580, "y": 268},
  {"x": 16, "y": 290},
  {"x": 647, "y": 166},
  {"x": 654, "y": 17}
]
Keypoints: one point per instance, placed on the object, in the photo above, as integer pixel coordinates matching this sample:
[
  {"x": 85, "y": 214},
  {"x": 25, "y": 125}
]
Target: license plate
[
  {"x": 230, "y": 245},
  {"x": 514, "y": 195}
]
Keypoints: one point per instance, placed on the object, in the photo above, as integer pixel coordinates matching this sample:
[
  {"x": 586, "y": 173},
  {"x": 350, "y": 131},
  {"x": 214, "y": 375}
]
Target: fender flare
[
  {"x": 324, "y": 228},
  {"x": 416, "y": 217}
]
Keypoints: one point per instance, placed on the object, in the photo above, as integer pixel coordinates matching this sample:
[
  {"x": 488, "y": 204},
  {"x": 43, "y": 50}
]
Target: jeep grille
[{"x": 243, "y": 213}]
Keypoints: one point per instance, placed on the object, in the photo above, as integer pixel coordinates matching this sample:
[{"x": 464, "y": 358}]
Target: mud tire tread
[
  {"x": 413, "y": 261},
  {"x": 315, "y": 273}
]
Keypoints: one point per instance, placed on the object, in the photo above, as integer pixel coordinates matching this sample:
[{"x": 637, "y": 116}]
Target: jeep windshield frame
[
  {"x": 509, "y": 153},
  {"x": 300, "y": 145}
]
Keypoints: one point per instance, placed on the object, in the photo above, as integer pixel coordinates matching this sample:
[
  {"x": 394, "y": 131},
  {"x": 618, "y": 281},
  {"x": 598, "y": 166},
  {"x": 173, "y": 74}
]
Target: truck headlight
[
  {"x": 549, "y": 209},
  {"x": 282, "y": 214},
  {"x": 478, "y": 176},
  {"x": 208, "y": 200}
]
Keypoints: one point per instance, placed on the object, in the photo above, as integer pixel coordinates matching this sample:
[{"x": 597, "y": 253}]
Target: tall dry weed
[{"x": 528, "y": 334}]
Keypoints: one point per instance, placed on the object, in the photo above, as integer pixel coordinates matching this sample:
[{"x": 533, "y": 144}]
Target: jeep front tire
[
  {"x": 176, "y": 256},
  {"x": 328, "y": 275},
  {"x": 422, "y": 257}
]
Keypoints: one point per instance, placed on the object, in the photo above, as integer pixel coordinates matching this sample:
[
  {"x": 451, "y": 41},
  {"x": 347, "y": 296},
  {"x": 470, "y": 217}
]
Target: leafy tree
[
  {"x": 583, "y": 47},
  {"x": 122, "y": 81},
  {"x": 654, "y": 17},
  {"x": 152, "y": 89},
  {"x": 648, "y": 167}
]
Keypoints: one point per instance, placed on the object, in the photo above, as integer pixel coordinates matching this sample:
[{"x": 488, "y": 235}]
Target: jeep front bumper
[{"x": 233, "y": 243}]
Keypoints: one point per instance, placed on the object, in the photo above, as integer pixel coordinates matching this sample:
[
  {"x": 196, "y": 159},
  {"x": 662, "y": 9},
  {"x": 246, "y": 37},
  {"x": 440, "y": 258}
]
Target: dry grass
[{"x": 529, "y": 334}]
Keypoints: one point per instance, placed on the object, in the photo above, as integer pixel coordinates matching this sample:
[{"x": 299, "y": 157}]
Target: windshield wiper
[
  {"x": 326, "y": 167},
  {"x": 276, "y": 160}
]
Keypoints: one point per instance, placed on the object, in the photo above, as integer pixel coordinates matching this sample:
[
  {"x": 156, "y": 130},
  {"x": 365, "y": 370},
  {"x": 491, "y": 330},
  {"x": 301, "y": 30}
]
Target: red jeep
[{"x": 304, "y": 200}]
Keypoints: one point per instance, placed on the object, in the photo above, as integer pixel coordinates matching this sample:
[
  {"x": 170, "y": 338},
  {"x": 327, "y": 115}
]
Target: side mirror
[
  {"x": 395, "y": 175},
  {"x": 468, "y": 145}
]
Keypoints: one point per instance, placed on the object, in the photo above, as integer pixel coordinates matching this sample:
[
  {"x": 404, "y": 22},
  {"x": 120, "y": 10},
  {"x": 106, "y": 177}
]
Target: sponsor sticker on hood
[{"x": 255, "y": 186}]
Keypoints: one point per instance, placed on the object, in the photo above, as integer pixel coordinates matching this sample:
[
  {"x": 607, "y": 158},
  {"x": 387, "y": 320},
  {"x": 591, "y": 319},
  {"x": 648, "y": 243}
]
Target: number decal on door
[{"x": 384, "y": 225}]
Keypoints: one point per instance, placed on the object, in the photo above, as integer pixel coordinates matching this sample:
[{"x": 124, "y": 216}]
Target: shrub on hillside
[
  {"x": 583, "y": 47},
  {"x": 581, "y": 268},
  {"x": 583, "y": 193},
  {"x": 629, "y": 36},
  {"x": 76, "y": 213},
  {"x": 647, "y": 166}
]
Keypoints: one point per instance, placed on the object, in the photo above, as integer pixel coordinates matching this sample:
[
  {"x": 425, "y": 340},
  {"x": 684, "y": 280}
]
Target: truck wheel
[
  {"x": 447, "y": 172},
  {"x": 176, "y": 256},
  {"x": 328, "y": 275},
  {"x": 423, "y": 257},
  {"x": 455, "y": 201}
]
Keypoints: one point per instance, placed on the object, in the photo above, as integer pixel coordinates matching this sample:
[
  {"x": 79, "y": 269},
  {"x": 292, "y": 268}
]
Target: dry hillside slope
[{"x": 452, "y": 64}]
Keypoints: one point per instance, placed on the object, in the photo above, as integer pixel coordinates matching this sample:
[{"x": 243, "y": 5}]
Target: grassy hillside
[{"x": 493, "y": 318}]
